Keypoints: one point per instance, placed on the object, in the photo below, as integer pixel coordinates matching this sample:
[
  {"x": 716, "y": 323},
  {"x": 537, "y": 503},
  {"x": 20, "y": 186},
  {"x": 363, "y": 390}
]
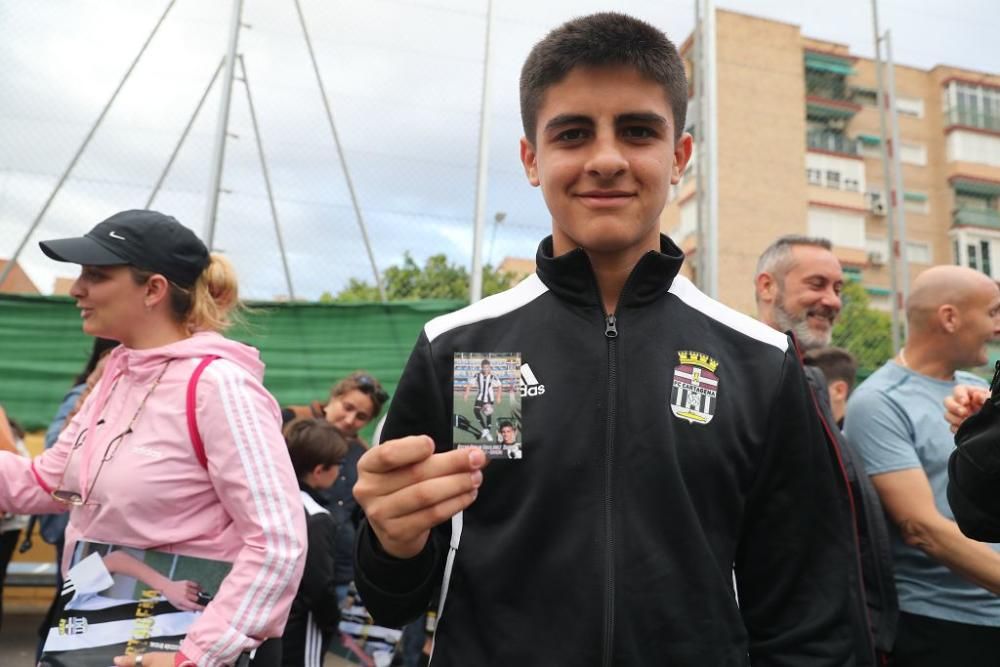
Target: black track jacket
[{"x": 617, "y": 538}]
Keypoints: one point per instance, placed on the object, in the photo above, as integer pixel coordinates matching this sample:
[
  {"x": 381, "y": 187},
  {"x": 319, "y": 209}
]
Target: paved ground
[{"x": 18, "y": 638}]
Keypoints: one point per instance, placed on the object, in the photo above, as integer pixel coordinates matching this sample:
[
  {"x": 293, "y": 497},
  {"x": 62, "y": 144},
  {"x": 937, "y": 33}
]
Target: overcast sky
[{"x": 404, "y": 81}]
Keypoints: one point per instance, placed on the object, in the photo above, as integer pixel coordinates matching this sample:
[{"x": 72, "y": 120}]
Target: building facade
[{"x": 800, "y": 153}]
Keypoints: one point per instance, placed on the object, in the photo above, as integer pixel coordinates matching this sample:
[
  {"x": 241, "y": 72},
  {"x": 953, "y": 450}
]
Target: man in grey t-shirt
[{"x": 947, "y": 583}]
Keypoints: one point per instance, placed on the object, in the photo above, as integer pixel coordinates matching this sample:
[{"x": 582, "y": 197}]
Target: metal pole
[
  {"x": 701, "y": 258},
  {"x": 267, "y": 180},
  {"x": 222, "y": 126},
  {"x": 712, "y": 151},
  {"x": 86, "y": 142},
  {"x": 886, "y": 181},
  {"x": 340, "y": 155},
  {"x": 184, "y": 134},
  {"x": 898, "y": 193},
  {"x": 482, "y": 169}
]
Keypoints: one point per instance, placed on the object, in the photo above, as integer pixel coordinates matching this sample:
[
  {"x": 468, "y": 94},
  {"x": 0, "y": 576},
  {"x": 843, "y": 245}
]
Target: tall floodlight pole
[
  {"x": 698, "y": 71},
  {"x": 898, "y": 194},
  {"x": 340, "y": 154},
  {"x": 267, "y": 181},
  {"x": 895, "y": 306},
  {"x": 86, "y": 142},
  {"x": 482, "y": 170},
  {"x": 222, "y": 126},
  {"x": 711, "y": 152},
  {"x": 184, "y": 134}
]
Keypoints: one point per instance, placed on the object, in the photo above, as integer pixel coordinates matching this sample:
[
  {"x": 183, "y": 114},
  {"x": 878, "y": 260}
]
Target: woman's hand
[
  {"x": 183, "y": 594},
  {"x": 158, "y": 659}
]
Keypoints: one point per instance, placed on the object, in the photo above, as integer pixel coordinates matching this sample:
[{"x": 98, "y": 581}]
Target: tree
[
  {"x": 864, "y": 331},
  {"x": 437, "y": 279}
]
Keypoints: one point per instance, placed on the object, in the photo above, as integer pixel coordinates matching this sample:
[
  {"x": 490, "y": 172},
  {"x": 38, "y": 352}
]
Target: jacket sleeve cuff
[
  {"x": 181, "y": 660},
  {"x": 396, "y": 576}
]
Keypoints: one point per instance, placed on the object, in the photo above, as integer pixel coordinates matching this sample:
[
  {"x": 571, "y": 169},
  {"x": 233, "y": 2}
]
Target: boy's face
[
  {"x": 604, "y": 156},
  {"x": 507, "y": 433}
]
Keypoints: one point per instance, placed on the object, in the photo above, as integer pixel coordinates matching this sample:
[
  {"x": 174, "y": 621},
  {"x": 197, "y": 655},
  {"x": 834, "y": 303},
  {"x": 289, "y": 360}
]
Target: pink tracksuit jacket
[{"x": 154, "y": 494}]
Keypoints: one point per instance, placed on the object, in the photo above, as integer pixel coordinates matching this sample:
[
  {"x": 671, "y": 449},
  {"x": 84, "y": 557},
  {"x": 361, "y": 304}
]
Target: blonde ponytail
[{"x": 214, "y": 299}]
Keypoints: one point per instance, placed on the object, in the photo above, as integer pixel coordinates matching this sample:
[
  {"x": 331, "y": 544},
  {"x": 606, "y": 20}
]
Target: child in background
[{"x": 316, "y": 449}]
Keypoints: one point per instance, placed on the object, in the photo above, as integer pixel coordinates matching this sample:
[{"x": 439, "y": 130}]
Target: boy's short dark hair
[
  {"x": 836, "y": 364},
  {"x": 605, "y": 39},
  {"x": 313, "y": 442}
]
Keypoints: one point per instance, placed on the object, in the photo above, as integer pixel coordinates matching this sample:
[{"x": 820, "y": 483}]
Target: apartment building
[{"x": 800, "y": 152}]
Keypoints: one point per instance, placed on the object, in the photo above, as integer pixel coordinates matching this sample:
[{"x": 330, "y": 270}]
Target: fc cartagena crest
[{"x": 696, "y": 387}]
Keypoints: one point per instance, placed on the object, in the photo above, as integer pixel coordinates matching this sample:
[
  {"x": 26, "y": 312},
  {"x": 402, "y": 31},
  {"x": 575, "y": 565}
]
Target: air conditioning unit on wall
[
  {"x": 878, "y": 208},
  {"x": 876, "y": 258}
]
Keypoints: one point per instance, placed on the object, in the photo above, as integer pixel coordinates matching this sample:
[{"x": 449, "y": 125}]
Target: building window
[
  {"x": 954, "y": 250},
  {"x": 815, "y": 176},
  {"x": 913, "y": 154},
  {"x": 910, "y": 106},
  {"x": 871, "y": 150},
  {"x": 844, "y": 229},
  {"x": 852, "y": 274},
  {"x": 833, "y": 179},
  {"x": 851, "y": 184},
  {"x": 974, "y": 105},
  {"x": 984, "y": 257},
  {"x": 916, "y": 202},
  {"x": 973, "y": 264},
  {"x": 866, "y": 96},
  {"x": 918, "y": 253},
  {"x": 972, "y": 201}
]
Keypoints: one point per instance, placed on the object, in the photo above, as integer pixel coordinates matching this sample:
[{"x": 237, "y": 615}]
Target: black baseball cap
[{"x": 144, "y": 239}]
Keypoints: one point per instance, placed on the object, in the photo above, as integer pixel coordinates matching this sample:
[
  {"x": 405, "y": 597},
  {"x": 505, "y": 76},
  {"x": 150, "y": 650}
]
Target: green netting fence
[{"x": 306, "y": 347}]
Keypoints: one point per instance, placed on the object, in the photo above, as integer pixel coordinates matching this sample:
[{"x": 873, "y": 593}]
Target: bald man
[{"x": 947, "y": 583}]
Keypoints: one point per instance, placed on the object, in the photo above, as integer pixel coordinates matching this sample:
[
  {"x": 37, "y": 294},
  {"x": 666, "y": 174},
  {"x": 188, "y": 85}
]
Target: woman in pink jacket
[{"x": 130, "y": 467}]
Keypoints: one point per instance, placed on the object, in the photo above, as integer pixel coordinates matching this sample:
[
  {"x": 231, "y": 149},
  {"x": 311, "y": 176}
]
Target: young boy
[
  {"x": 316, "y": 449},
  {"x": 672, "y": 453}
]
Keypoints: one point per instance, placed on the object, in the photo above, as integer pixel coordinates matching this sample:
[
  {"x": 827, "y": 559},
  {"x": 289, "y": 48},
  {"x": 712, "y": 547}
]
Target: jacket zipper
[{"x": 611, "y": 333}]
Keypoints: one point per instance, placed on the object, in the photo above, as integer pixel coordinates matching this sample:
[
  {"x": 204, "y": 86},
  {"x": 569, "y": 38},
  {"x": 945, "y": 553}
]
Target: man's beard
[{"x": 808, "y": 338}]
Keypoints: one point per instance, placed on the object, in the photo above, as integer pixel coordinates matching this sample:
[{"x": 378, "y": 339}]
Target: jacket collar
[{"x": 571, "y": 277}]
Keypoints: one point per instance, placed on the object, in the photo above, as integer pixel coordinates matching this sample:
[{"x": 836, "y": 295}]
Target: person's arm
[
  {"x": 409, "y": 487},
  {"x": 6, "y": 435},
  {"x": 248, "y": 464},
  {"x": 26, "y": 484},
  {"x": 318, "y": 588},
  {"x": 792, "y": 560},
  {"x": 908, "y": 500},
  {"x": 182, "y": 594}
]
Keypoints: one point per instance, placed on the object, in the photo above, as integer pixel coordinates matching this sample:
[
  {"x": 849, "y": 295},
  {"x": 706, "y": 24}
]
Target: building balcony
[
  {"x": 974, "y": 217},
  {"x": 978, "y": 120},
  {"x": 833, "y": 142}
]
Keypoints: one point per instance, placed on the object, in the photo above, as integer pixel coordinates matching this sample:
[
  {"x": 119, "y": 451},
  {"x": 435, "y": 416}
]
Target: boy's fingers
[
  {"x": 401, "y": 537},
  {"x": 394, "y": 454},
  {"x": 373, "y": 485},
  {"x": 418, "y": 497}
]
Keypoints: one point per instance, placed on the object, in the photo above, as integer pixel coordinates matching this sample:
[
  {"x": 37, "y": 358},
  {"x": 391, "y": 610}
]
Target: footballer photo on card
[{"x": 487, "y": 403}]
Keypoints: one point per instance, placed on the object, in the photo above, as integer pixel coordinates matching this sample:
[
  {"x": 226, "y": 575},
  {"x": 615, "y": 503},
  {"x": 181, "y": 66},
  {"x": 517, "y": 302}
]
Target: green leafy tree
[
  {"x": 864, "y": 331},
  {"x": 437, "y": 279}
]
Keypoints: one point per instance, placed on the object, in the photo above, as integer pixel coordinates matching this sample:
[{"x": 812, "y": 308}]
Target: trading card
[{"x": 487, "y": 403}]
